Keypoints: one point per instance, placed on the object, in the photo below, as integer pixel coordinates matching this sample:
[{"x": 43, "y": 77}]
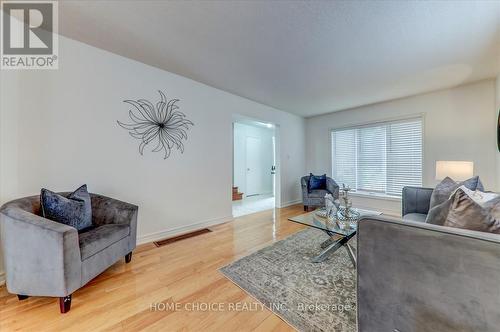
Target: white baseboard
[
  {"x": 2, "y": 278},
  {"x": 289, "y": 203},
  {"x": 146, "y": 238}
]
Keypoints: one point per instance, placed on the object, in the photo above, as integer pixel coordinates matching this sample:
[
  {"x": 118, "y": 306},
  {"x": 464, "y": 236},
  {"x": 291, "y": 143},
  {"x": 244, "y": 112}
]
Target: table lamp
[{"x": 457, "y": 170}]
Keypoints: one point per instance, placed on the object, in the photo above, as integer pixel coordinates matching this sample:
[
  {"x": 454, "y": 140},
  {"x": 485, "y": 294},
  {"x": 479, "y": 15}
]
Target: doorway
[{"x": 254, "y": 167}]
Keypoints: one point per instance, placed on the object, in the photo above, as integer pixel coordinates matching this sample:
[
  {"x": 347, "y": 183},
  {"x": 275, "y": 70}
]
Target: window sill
[{"x": 366, "y": 194}]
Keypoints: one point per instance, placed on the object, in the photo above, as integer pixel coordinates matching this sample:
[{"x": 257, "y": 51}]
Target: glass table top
[{"x": 313, "y": 220}]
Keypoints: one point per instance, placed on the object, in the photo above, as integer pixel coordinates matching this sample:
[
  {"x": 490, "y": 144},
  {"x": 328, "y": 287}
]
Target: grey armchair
[
  {"x": 316, "y": 198},
  {"x": 415, "y": 203},
  {"x": 46, "y": 258}
]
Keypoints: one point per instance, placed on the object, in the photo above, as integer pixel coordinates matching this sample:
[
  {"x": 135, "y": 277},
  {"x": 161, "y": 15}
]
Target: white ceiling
[{"x": 307, "y": 58}]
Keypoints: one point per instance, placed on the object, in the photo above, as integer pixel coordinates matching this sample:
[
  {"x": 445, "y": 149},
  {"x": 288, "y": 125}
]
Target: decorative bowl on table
[{"x": 348, "y": 216}]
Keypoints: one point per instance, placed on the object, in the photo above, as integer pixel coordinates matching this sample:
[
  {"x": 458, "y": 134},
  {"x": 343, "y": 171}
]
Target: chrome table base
[{"x": 333, "y": 244}]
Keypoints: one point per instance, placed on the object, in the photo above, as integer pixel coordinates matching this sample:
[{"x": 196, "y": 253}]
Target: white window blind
[{"x": 380, "y": 158}]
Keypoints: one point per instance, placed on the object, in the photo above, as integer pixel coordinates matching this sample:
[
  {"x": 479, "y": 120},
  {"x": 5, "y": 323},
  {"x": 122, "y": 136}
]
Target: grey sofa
[
  {"x": 47, "y": 258},
  {"x": 418, "y": 277},
  {"x": 415, "y": 203},
  {"x": 316, "y": 198}
]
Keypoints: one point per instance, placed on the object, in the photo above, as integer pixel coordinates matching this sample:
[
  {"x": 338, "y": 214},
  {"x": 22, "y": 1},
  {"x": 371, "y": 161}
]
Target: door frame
[{"x": 277, "y": 152}]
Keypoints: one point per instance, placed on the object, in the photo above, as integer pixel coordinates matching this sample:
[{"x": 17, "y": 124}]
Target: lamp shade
[{"x": 457, "y": 170}]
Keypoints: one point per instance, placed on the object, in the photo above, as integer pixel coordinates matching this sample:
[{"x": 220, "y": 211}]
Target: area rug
[{"x": 309, "y": 296}]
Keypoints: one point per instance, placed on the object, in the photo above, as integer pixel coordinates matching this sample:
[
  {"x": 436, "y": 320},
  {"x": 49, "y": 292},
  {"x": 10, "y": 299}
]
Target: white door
[{"x": 254, "y": 166}]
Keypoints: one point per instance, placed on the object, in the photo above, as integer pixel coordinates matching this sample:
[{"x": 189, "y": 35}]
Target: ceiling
[{"x": 306, "y": 58}]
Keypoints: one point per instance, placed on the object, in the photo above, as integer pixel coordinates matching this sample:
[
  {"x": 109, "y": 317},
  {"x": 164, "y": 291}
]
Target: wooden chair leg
[
  {"x": 65, "y": 304},
  {"x": 128, "y": 257},
  {"x": 22, "y": 297}
]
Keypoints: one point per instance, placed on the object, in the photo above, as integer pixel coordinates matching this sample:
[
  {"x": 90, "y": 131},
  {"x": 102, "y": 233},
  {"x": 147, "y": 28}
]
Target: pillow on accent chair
[
  {"x": 74, "y": 210},
  {"x": 317, "y": 182},
  {"x": 474, "y": 210}
]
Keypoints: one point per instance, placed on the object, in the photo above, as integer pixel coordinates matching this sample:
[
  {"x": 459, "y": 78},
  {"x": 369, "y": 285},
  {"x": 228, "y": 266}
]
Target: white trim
[
  {"x": 2, "y": 278},
  {"x": 181, "y": 230},
  {"x": 289, "y": 203}
]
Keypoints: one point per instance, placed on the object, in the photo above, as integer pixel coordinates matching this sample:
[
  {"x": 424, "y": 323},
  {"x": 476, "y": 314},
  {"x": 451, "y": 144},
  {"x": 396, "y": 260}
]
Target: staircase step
[{"x": 237, "y": 196}]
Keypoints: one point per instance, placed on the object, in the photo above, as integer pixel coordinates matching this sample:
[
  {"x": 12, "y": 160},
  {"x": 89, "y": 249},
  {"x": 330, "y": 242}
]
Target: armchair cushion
[
  {"x": 97, "y": 239},
  {"x": 75, "y": 210},
  {"x": 318, "y": 193},
  {"x": 419, "y": 217}
]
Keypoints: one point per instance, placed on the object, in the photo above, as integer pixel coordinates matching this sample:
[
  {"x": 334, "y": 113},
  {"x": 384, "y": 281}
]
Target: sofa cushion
[
  {"x": 317, "y": 193},
  {"x": 466, "y": 212},
  {"x": 420, "y": 217},
  {"x": 97, "y": 239},
  {"x": 445, "y": 188},
  {"x": 316, "y": 182},
  {"x": 75, "y": 210}
]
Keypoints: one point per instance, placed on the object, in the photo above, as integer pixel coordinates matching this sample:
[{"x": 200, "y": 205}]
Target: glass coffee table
[{"x": 338, "y": 237}]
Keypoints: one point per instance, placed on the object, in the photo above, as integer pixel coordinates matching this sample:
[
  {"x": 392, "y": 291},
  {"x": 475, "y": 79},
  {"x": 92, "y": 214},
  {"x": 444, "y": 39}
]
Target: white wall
[
  {"x": 459, "y": 125},
  {"x": 265, "y": 135},
  {"x": 498, "y": 90},
  {"x": 8, "y": 143},
  {"x": 498, "y": 112},
  {"x": 59, "y": 130}
]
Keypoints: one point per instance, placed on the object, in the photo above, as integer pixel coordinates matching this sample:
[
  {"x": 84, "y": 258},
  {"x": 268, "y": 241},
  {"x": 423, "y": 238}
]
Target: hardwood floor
[{"x": 184, "y": 272}]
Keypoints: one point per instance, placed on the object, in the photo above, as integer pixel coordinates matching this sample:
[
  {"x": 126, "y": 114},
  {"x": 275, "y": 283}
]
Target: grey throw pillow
[
  {"x": 446, "y": 187},
  {"x": 74, "y": 210},
  {"x": 438, "y": 214},
  {"x": 466, "y": 213}
]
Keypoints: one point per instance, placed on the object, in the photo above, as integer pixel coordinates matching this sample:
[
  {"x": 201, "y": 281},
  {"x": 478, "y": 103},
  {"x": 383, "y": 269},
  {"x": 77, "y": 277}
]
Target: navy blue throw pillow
[
  {"x": 74, "y": 210},
  {"x": 317, "y": 182}
]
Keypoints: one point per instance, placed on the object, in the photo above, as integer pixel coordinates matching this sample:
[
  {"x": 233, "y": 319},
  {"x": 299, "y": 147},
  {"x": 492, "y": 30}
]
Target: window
[{"x": 379, "y": 159}]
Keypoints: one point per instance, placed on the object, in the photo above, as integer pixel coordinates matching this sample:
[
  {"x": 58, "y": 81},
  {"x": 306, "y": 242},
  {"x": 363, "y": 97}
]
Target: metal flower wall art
[{"x": 161, "y": 126}]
